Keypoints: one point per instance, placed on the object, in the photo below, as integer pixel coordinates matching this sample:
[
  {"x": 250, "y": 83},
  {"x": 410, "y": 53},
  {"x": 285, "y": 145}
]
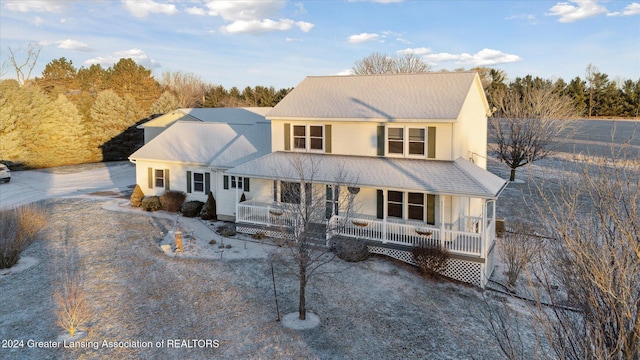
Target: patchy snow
[
  {"x": 292, "y": 321},
  {"x": 378, "y": 308},
  {"x": 24, "y": 263}
]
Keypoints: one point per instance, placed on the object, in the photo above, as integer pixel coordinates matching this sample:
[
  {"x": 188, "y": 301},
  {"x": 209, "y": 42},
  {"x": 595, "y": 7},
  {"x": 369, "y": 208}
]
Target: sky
[{"x": 278, "y": 43}]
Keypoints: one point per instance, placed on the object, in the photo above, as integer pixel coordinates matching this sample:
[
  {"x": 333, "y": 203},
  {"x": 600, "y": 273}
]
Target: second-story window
[
  {"x": 299, "y": 137},
  {"x": 411, "y": 141},
  {"x": 396, "y": 140},
  {"x": 308, "y": 137},
  {"x": 416, "y": 141},
  {"x": 315, "y": 137}
]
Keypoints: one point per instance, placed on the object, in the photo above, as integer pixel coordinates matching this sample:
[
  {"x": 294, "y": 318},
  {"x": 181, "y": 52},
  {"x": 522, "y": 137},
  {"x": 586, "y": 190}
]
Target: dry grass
[{"x": 18, "y": 229}]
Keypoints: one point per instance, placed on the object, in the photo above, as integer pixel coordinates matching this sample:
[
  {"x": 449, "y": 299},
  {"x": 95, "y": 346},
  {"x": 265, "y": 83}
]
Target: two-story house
[{"x": 409, "y": 149}]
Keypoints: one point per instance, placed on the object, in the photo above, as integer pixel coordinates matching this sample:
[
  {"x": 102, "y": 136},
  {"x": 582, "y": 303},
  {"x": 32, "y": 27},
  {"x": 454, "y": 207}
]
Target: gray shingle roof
[
  {"x": 457, "y": 177},
  {"x": 205, "y": 143},
  {"x": 433, "y": 96}
]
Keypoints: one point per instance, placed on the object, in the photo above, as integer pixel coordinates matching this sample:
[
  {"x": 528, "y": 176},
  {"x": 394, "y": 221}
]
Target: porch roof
[{"x": 458, "y": 177}]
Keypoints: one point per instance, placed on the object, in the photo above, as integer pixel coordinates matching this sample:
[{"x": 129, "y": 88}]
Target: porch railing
[
  {"x": 393, "y": 231},
  {"x": 263, "y": 214},
  {"x": 408, "y": 233}
]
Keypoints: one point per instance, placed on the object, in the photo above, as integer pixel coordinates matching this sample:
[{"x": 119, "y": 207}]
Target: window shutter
[
  {"x": 431, "y": 209},
  {"x": 381, "y": 141},
  {"x": 188, "y": 182},
  {"x": 225, "y": 182},
  {"x": 327, "y": 139},
  {"x": 380, "y": 204},
  {"x": 287, "y": 137},
  {"x": 431, "y": 142},
  {"x": 207, "y": 183},
  {"x": 150, "y": 177},
  {"x": 245, "y": 184},
  {"x": 166, "y": 180}
]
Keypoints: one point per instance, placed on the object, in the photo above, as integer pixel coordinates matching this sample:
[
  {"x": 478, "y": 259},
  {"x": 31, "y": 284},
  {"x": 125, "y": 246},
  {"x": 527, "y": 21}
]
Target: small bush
[
  {"x": 209, "y": 210},
  {"x": 172, "y": 200},
  {"x": 136, "y": 196},
  {"x": 226, "y": 230},
  {"x": 19, "y": 228},
  {"x": 151, "y": 203},
  {"x": 191, "y": 208},
  {"x": 351, "y": 250},
  {"x": 432, "y": 260},
  {"x": 259, "y": 235},
  {"x": 228, "y": 246},
  {"x": 213, "y": 242}
]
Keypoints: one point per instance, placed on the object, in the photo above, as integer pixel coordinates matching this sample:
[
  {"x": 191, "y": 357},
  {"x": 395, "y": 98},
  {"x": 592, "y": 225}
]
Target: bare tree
[
  {"x": 306, "y": 206},
  {"x": 595, "y": 261},
  {"x": 378, "y": 63},
  {"x": 188, "y": 88},
  {"x": 24, "y": 68},
  {"x": 518, "y": 248},
  {"x": 524, "y": 123}
]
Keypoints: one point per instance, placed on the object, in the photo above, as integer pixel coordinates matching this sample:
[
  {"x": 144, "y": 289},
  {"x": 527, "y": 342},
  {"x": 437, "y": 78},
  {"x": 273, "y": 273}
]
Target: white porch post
[
  {"x": 484, "y": 230},
  {"x": 384, "y": 215},
  {"x": 237, "y": 202},
  {"x": 441, "y": 239}
]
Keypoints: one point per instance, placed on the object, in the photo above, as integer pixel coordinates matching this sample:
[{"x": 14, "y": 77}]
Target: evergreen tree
[
  {"x": 58, "y": 77},
  {"x": 61, "y": 138},
  {"x": 108, "y": 119},
  {"x": 128, "y": 78},
  {"x": 167, "y": 102}
]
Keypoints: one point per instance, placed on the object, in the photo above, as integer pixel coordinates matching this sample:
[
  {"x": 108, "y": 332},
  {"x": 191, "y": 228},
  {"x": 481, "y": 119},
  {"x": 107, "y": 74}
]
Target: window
[
  {"x": 299, "y": 137},
  {"x": 236, "y": 182},
  {"x": 315, "y": 137},
  {"x": 411, "y": 141},
  {"x": 198, "y": 182},
  {"x": 416, "y": 141},
  {"x": 308, "y": 137},
  {"x": 396, "y": 140},
  {"x": 416, "y": 206},
  {"x": 159, "y": 178},
  {"x": 290, "y": 192},
  {"x": 395, "y": 203}
]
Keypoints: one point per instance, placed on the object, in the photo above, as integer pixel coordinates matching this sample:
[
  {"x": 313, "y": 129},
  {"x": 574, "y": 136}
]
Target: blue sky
[{"x": 278, "y": 43}]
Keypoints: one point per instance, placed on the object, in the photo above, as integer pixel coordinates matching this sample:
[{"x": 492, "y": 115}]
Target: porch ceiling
[{"x": 457, "y": 177}]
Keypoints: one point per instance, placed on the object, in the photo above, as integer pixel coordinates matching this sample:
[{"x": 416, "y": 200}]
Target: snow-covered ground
[
  {"x": 181, "y": 306},
  {"x": 35, "y": 185}
]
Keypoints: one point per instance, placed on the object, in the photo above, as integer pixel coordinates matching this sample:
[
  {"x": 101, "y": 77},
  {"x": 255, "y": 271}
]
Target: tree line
[{"x": 68, "y": 115}]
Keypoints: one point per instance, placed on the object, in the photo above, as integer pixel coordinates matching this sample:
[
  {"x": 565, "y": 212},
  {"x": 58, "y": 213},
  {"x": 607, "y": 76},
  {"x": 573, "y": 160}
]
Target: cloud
[
  {"x": 484, "y": 57},
  {"x": 254, "y": 16},
  {"x": 528, "y": 17},
  {"x": 244, "y": 10},
  {"x": 576, "y": 10},
  {"x": 142, "y": 8},
  {"x": 54, "y": 6},
  {"x": 73, "y": 45},
  {"x": 196, "y": 11},
  {"x": 632, "y": 9},
  {"x": 136, "y": 55},
  {"x": 629, "y": 10},
  {"x": 362, "y": 38},
  {"x": 416, "y": 51},
  {"x": 265, "y": 25},
  {"x": 37, "y": 21}
]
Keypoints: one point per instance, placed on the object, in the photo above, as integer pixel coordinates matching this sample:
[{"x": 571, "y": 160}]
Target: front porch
[{"x": 471, "y": 237}]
